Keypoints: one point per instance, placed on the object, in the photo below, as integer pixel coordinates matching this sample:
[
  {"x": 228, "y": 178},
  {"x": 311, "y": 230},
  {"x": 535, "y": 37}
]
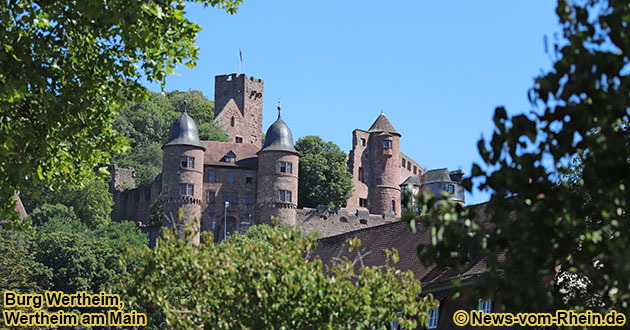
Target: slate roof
[
  {"x": 436, "y": 175},
  {"x": 279, "y": 137},
  {"x": 411, "y": 180},
  {"x": 383, "y": 125},
  {"x": 183, "y": 132},
  {"x": 245, "y": 154}
]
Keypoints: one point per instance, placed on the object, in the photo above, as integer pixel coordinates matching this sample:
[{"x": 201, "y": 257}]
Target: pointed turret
[
  {"x": 383, "y": 125},
  {"x": 182, "y": 175},
  {"x": 278, "y": 164}
]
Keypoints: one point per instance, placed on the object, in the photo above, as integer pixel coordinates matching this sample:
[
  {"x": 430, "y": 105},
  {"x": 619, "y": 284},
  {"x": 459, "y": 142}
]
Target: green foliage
[
  {"x": 146, "y": 126},
  {"x": 324, "y": 177},
  {"x": 66, "y": 67},
  {"x": 44, "y": 213},
  {"x": 92, "y": 204},
  {"x": 157, "y": 210},
  {"x": 63, "y": 254},
  {"x": 539, "y": 224},
  {"x": 264, "y": 282}
]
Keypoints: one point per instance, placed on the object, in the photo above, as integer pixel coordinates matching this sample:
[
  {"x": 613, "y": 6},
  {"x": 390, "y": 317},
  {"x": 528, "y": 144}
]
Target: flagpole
[{"x": 240, "y": 59}]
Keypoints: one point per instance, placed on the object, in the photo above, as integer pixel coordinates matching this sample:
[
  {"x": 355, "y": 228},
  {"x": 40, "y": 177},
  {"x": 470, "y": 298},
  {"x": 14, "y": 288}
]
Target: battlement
[{"x": 329, "y": 222}]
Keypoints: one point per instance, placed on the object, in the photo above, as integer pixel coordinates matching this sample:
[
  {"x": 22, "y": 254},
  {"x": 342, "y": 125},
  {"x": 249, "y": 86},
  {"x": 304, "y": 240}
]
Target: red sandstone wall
[{"x": 270, "y": 182}]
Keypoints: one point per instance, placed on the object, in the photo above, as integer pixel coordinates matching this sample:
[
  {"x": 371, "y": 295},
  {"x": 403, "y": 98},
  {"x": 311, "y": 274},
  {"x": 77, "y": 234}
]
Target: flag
[{"x": 240, "y": 53}]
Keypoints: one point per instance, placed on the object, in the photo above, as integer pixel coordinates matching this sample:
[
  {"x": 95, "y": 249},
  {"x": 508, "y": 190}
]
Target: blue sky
[{"x": 437, "y": 69}]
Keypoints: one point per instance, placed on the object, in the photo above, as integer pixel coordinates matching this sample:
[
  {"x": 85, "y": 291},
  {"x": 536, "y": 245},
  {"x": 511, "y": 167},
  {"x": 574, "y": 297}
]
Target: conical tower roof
[
  {"x": 184, "y": 131},
  {"x": 278, "y": 137},
  {"x": 382, "y": 125}
]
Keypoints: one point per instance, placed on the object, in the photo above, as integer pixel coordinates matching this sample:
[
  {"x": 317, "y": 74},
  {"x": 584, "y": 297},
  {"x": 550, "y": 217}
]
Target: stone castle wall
[
  {"x": 122, "y": 176},
  {"x": 135, "y": 204},
  {"x": 328, "y": 222}
]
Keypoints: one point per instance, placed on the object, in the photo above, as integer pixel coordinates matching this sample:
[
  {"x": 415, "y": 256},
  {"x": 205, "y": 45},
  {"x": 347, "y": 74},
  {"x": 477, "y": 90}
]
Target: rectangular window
[
  {"x": 393, "y": 205},
  {"x": 188, "y": 162},
  {"x": 379, "y": 181},
  {"x": 226, "y": 197},
  {"x": 404, "y": 162},
  {"x": 408, "y": 166},
  {"x": 211, "y": 176},
  {"x": 434, "y": 314},
  {"x": 230, "y": 176},
  {"x": 361, "y": 177},
  {"x": 234, "y": 198},
  {"x": 363, "y": 142},
  {"x": 394, "y": 325},
  {"x": 249, "y": 199},
  {"x": 285, "y": 196},
  {"x": 415, "y": 169},
  {"x": 238, "y": 139},
  {"x": 362, "y": 202},
  {"x": 386, "y": 144},
  {"x": 249, "y": 177},
  {"x": 186, "y": 189},
  {"x": 450, "y": 188},
  {"x": 211, "y": 196},
  {"x": 485, "y": 305},
  {"x": 286, "y": 167}
]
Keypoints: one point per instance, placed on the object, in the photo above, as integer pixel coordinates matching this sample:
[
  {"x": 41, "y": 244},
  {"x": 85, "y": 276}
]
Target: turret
[
  {"x": 277, "y": 189},
  {"x": 384, "y": 159},
  {"x": 182, "y": 175}
]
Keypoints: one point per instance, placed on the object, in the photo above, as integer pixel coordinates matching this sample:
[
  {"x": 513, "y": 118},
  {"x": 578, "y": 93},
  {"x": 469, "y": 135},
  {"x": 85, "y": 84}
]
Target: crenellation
[{"x": 259, "y": 179}]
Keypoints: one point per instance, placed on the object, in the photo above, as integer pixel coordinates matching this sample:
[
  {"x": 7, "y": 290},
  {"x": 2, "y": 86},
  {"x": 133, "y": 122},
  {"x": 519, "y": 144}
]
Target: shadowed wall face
[{"x": 182, "y": 184}]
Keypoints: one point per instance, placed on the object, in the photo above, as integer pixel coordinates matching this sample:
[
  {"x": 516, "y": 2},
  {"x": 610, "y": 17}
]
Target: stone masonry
[
  {"x": 238, "y": 109},
  {"x": 259, "y": 178}
]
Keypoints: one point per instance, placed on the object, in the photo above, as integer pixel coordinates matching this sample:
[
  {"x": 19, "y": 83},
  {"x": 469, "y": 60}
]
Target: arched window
[{"x": 232, "y": 122}]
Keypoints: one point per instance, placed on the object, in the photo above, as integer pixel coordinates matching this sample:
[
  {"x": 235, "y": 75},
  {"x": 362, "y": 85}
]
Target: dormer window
[
  {"x": 188, "y": 162},
  {"x": 230, "y": 157},
  {"x": 386, "y": 144}
]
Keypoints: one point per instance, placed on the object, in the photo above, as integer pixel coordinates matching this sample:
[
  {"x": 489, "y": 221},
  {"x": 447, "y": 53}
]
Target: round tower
[
  {"x": 384, "y": 158},
  {"x": 182, "y": 176},
  {"x": 277, "y": 187}
]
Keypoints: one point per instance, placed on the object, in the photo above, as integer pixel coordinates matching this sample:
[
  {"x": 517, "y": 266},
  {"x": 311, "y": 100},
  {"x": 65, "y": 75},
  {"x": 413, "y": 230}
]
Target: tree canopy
[
  {"x": 146, "y": 126},
  {"x": 551, "y": 243},
  {"x": 66, "y": 67},
  {"x": 324, "y": 177},
  {"x": 264, "y": 281}
]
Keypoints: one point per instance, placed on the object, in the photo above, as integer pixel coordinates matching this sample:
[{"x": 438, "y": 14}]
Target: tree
[
  {"x": 546, "y": 235},
  {"x": 264, "y": 282},
  {"x": 64, "y": 254},
  {"x": 324, "y": 177},
  {"x": 91, "y": 204},
  {"x": 66, "y": 67},
  {"x": 146, "y": 126}
]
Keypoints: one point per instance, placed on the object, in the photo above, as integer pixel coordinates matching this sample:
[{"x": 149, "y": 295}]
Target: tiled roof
[
  {"x": 375, "y": 240},
  {"x": 382, "y": 124},
  {"x": 245, "y": 154}
]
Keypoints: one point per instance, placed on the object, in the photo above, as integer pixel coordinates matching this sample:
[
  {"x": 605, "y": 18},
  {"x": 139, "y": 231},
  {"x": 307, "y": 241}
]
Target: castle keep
[{"x": 248, "y": 180}]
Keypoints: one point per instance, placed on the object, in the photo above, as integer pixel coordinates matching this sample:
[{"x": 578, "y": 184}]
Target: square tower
[{"x": 238, "y": 105}]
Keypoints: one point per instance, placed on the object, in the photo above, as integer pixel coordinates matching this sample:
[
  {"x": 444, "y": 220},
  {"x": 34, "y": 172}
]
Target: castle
[{"x": 248, "y": 180}]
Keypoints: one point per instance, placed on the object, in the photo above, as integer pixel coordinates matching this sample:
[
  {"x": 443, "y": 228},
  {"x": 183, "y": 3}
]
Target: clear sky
[{"x": 437, "y": 69}]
